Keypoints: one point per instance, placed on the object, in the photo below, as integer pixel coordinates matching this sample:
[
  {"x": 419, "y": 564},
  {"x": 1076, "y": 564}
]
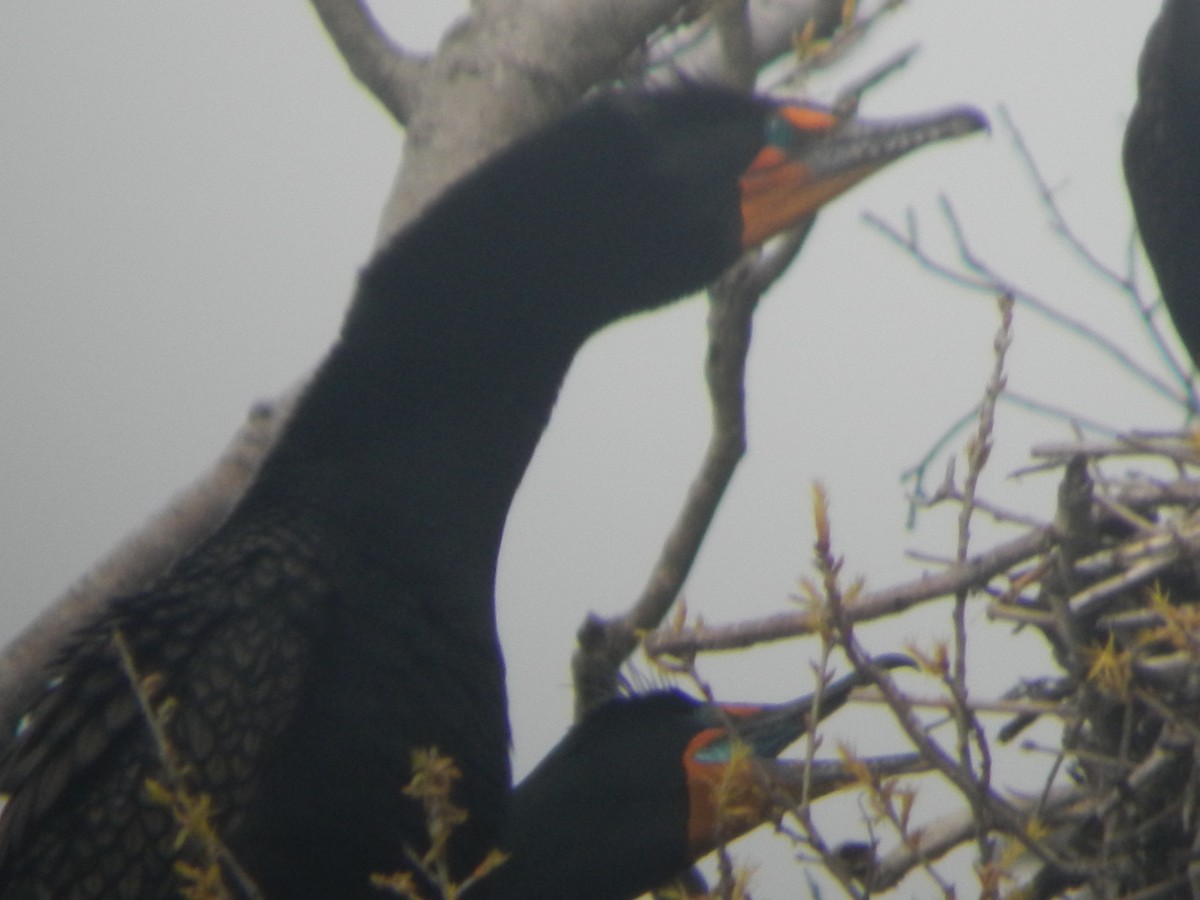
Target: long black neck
[
  {"x": 419, "y": 426},
  {"x": 405, "y": 452},
  {"x": 403, "y": 457}
]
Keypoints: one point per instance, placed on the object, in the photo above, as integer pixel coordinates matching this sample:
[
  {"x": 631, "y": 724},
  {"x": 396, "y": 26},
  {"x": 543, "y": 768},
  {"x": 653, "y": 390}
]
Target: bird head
[
  {"x": 637, "y": 198},
  {"x": 678, "y": 184},
  {"x": 811, "y": 155},
  {"x": 644, "y": 786},
  {"x": 727, "y": 761}
]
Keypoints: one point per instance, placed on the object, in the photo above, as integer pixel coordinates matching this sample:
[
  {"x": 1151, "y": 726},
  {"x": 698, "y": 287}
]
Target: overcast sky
[{"x": 187, "y": 192}]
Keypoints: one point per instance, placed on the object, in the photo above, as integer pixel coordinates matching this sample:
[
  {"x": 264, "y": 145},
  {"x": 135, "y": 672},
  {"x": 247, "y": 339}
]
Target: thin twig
[
  {"x": 1124, "y": 283},
  {"x": 970, "y": 732},
  {"x": 605, "y": 645},
  {"x": 191, "y": 812},
  {"x": 984, "y": 279},
  {"x": 869, "y": 605}
]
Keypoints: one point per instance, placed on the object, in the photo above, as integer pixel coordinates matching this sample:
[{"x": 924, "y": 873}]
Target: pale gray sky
[{"x": 186, "y": 193}]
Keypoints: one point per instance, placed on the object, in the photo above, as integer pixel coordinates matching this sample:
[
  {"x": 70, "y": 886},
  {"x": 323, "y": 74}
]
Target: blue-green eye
[
  {"x": 780, "y": 133},
  {"x": 719, "y": 752}
]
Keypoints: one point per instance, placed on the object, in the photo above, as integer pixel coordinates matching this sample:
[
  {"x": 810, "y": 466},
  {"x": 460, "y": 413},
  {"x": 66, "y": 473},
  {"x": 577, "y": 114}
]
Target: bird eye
[
  {"x": 792, "y": 126},
  {"x": 718, "y": 752},
  {"x": 780, "y": 133}
]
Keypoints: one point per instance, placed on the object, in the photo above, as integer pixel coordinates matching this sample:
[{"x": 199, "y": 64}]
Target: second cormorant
[{"x": 643, "y": 787}]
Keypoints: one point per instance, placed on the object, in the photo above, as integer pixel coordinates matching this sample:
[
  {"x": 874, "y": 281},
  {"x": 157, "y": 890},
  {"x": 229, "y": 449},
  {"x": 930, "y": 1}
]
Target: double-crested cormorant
[
  {"x": 342, "y": 616},
  {"x": 1162, "y": 162},
  {"x": 644, "y": 787}
]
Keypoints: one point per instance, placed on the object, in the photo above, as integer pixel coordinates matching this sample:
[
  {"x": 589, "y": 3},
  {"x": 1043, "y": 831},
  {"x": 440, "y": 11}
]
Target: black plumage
[
  {"x": 644, "y": 787},
  {"x": 342, "y": 616},
  {"x": 1162, "y": 162}
]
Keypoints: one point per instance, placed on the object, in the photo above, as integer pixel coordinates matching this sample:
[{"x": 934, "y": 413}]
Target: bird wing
[{"x": 222, "y": 638}]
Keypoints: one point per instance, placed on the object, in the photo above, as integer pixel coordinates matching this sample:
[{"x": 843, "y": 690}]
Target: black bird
[
  {"x": 1162, "y": 162},
  {"x": 644, "y": 787},
  {"x": 342, "y": 616}
]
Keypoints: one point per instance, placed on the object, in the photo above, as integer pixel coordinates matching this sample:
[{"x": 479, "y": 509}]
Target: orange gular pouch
[
  {"x": 727, "y": 795},
  {"x": 779, "y": 189}
]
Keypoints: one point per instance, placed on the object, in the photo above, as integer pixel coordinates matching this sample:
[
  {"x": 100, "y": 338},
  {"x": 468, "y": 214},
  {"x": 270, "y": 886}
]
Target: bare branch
[
  {"x": 1176, "y": 447},
  {"x": 970, "y": 732},
  {"x": 604, "y": 646},
  {"x": 732, "y": 19},
  {"x": 392, "y": 75},
  {"x": 948, "y": 832},
  {"x": 974, "y": 573},
  {"x": 695, "y": 53}
]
